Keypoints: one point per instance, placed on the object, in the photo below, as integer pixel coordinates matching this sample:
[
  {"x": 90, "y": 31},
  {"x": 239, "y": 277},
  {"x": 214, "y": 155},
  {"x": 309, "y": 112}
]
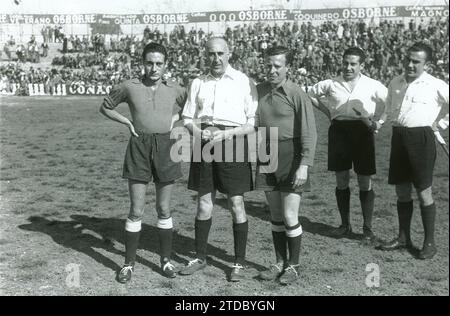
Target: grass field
[{"x": 63, "y": 205}]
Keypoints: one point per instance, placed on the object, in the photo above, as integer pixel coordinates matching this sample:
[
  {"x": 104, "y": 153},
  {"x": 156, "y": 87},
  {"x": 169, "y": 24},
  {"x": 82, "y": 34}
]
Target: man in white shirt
[
  {"x": 224, "y": 103},
  {"x": 414, "y": 102},
  {"x": 350, "y": 101}
]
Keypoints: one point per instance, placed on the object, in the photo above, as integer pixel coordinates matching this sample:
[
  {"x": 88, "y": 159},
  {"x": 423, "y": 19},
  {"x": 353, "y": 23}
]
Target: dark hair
[
  {"x": 422, "y": 47},
  {"x": 154, "y": 47},
  {"x": 280, "y": 50},
  {"x": 356, "y": 51}
]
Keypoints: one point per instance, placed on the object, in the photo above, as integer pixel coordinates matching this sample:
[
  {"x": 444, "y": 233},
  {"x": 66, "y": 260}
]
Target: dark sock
[
  {"x": 131, "y": 244},
  {"x": 280, "y": 243},
  {"x": 240, "y": 232},
  {"x": 343, "y": 202},
  {"x": 405, "y": 211},
  {"x": 165, "y": 243},
  {"x": 201, "y": 237},
  {"x": 367, "y": 201},
  {"x": 428, "y": 219},
  {"x": 294, "y": 245}
]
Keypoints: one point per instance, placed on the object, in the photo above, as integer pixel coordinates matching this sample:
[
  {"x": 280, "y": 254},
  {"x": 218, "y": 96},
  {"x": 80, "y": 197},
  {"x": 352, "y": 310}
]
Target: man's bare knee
[
  {"x": 163, "y": 211},
  {"x": 425, "y": 197},
  {"x": 237, "y": 207},
  {"x": 204, "y": 208},
  {"x": 291, "y": 217},
  {"x": 364, "y": 183},
  {"x": 276, "y": 216},
  {"x": 404, "y": 192},
  {"x": 342, "y": 179},
  {"x": 136, "y": 214}
]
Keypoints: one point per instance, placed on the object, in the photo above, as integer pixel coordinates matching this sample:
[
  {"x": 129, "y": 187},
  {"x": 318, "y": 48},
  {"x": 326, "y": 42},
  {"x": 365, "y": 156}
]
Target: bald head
[
  {"x": 217, "y": 54},
  {"x": 217, "y": 41}
]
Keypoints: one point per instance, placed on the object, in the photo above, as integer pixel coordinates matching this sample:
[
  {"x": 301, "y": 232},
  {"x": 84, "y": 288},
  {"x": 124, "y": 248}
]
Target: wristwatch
[{"x": 380, "y": 121}]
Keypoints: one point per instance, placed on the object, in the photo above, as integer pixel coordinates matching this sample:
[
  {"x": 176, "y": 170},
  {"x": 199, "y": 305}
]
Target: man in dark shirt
[
  {"x": 284, "y": 105},
  {"x": 154, "y": 105}
]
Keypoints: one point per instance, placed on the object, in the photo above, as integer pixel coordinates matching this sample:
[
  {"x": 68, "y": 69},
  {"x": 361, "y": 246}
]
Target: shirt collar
[
  {"x": 288, "y": 87},
  {"x": 422, "y": 78},
  {"x": 230, "y": 72},
  {"x": 169, "y": 83}
]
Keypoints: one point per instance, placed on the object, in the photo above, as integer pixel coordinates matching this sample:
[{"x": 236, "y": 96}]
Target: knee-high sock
[
  {"x": 202, "y": 228},
  {"x": 343, "y": 202},
  {"x": 132, "y": 234},
  {"x": 428, "y": 219},
  {"x": 405, "y": 211},
  {"x": 294, "y": 241},
  {"x": 367, "y": 202},
  {"x": 165, "y": 233},
  {"x": 240, "y": 232},
  {"x": 279, "y": 241}
]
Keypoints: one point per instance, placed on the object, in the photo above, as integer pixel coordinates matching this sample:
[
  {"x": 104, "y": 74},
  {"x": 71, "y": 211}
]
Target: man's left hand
[
  {"x": 300, "y": 177},
  {"x": 373, "y": 126}
]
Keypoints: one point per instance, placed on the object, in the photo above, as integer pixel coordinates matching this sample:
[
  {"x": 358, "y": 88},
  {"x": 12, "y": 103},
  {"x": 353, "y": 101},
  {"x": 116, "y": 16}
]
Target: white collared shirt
[
  {"x": 418, "y": 103},
  {"x": 231, "y": 100},
  {"x": 347, "y": 104}
]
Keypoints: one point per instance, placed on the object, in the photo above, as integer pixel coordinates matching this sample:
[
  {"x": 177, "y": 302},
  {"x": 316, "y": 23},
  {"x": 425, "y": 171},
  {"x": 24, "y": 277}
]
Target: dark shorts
[
  {"x": 289, "y": 158},
  {"x": 413, "y": 154},
  {"x": 351, "y": 143},
  {"x": 148, "y": 157},
  {"x": 232, "y": 178}
]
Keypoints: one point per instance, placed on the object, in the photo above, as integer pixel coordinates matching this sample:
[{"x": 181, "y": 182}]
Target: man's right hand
[{"x": 131, "y": 128}]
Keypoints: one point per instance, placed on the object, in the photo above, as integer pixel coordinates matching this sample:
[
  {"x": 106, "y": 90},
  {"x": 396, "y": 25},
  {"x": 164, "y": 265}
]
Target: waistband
[
  {"x": 417, "y": 128},
  {"x": 141, "y": 132},
  {"x": 219, "y": 126},
  {"x": 347, "y": 122}
]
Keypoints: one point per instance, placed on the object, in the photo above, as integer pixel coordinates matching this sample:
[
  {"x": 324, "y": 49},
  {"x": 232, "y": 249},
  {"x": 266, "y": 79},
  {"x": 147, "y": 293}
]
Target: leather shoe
[
  {"x": 428, "y": 251},
  {"x": 237, "y": 273},
  {"x": 395, "y": 244},
  {"x": 341, "y": 232},
  {"x": 369, "y": 239}
]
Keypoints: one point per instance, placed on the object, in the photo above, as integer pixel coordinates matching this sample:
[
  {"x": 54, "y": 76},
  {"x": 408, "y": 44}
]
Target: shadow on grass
[
  {"x": 324, "y": 229},
  {"x": 261, "y": 211},
  {"x": 73, "y": 234}
]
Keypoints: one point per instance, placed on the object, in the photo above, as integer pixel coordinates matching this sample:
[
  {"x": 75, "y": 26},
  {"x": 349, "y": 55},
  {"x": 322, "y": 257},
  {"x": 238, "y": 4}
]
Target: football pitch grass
[{"x": 63, "y": 205}]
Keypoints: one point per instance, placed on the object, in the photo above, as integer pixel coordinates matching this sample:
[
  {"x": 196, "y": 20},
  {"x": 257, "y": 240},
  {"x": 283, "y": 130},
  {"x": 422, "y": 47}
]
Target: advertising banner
[{"x": 231, "y": 16}]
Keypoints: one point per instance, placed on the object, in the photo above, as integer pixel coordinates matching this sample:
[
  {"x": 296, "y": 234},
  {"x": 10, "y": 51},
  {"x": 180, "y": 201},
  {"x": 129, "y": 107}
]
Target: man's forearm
[
  {"x": 321, "y": 107},
  {"x": 242, "y": 130},
  {"x": 114, "y": 115},
  {"x": 192, "y": 128}
]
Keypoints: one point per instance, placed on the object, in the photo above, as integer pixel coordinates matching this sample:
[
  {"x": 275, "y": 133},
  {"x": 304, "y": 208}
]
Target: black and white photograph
[{"x": 223, "y": 155}]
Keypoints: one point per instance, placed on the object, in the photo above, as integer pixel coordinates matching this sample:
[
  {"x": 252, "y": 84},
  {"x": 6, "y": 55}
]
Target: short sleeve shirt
[{"x": 152, "y": 111}]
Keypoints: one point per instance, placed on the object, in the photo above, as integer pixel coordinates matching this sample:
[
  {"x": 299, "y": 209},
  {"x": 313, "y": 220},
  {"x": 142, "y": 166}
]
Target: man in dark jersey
[
  {"x": 284, "y": 105},
  {"x": 154, "y": 105}
]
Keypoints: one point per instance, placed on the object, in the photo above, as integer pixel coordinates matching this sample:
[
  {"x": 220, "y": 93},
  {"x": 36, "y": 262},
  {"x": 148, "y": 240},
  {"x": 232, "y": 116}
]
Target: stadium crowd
[{"x": 317, "y": 52}]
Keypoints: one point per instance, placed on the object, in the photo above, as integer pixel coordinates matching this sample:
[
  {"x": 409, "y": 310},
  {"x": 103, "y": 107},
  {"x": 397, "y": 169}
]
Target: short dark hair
[
  {"x": 280, "y": 50},
  {"x": 422, "y": 47},
  {"x": 355, "y": 51},
  {"x": 154, "y": 47}
]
